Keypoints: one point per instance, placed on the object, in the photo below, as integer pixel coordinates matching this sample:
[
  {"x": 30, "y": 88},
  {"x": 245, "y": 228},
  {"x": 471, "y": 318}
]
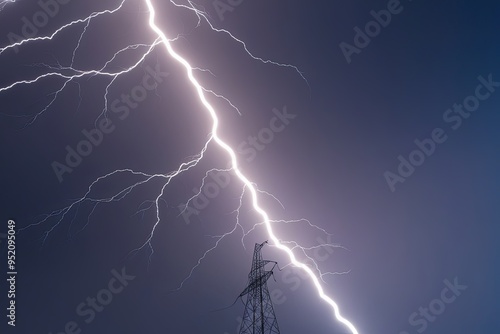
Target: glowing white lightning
[
  {"x": 70, "y": 73},
  {"x": 234, "y": 162},
  {"x": 4, "y": 3}
]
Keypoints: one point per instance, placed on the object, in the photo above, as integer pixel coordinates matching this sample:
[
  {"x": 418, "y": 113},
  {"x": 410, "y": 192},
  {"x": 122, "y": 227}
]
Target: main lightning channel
[{"x": 234, "y": 162}]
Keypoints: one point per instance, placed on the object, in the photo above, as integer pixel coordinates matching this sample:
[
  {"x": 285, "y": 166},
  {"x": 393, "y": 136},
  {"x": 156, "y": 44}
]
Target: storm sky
[{"x": 389, "y": 142}]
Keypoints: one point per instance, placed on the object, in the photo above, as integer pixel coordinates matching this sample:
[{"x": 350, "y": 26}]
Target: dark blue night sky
[{"x": 390, "y": 143}]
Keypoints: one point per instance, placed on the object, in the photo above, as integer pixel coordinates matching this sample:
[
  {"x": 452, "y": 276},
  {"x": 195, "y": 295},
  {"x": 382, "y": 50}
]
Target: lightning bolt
[
  {"x": 70, "y": 73},
  {"x": 235, "y": 166},
  {"x": 4, "y": 3}
]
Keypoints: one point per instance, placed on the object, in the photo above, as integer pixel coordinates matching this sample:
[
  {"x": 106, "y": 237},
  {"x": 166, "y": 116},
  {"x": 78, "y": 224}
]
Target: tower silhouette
[{"x": 259, "y": 316}]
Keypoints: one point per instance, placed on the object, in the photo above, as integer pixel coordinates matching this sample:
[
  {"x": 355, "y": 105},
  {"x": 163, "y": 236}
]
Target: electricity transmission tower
[{"x": 259, "y": 317}]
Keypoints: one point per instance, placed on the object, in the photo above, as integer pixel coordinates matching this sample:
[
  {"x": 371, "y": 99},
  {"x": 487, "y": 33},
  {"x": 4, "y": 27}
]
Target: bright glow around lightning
[
  {"x": 70, "y": 73},
  {"x": 234, "y": 163}
]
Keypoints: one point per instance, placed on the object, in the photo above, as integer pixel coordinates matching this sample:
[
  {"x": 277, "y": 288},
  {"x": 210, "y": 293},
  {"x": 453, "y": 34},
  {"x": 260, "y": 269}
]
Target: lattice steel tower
[{"x": 259, "y": 317}]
